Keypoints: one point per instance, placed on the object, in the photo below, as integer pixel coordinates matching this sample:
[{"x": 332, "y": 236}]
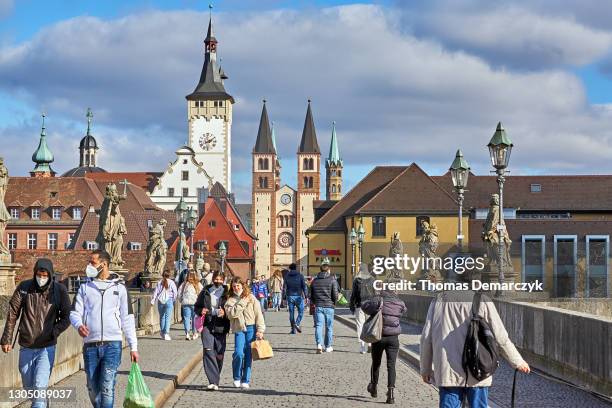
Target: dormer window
[
  {"x": 77, "y": 213},
  {"x": 15, "y": 213},
  {"x": 56, "y": 213},
  {"x": 35, "y": 213}
]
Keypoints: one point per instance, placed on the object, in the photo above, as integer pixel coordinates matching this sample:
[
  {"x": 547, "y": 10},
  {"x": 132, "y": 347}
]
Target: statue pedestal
[
  {"x": 7, "y": 277},
  {"x": 152, "y": 279},
  {"x": 122, "y": 272}
]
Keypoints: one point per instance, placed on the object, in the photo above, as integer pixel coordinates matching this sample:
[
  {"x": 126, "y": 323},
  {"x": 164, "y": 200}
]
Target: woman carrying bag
[
  {"x": 187, "y": 295},
  {"x": 247, "y": 324},
  {"x": 165, "y": 295},
  {"x": 391, "y": 308}
]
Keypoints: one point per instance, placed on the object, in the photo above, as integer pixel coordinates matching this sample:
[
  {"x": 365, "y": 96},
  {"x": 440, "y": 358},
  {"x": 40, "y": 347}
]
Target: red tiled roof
[
  {"x": 36, "y": 203},
  {"x": 145, "y": 180},
  {"x": 15, "y": 203}
]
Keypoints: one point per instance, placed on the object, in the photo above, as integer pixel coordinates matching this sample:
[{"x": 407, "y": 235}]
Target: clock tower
[{"x": 209, "y": 113}]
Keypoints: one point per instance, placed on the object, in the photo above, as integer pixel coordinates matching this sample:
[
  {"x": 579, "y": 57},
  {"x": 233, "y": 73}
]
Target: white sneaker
[
  {"x": 363, "y": 349},
  {"x": 244, "y": 386},
  {"x": 194, "y": 336},
  {"x": 188, "y": 337},
  {"x": 211, "y": 387},
  {"x": 167, "y": 337},
  {"x": 319, "y": 349},
  {"x": 329, "y": 349},
  {"x": 237, "y": 384}
]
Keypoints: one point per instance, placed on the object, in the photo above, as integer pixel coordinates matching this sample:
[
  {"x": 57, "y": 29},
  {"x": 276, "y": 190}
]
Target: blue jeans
[
  {"x": 264, "y": 304},
  {"x": 451, "y": 397},
  {"x": 165, "y": 316},
  {"x": 101, "y": 364},
  {"x": 276, "y": 300},
  {"x": 188, "y": 315},
  {"x": 324, "y": 316},
  {"x": 241, "y": 359},
  {"x": 35, "y": 365},
  {"x": 292, "y": 303}
]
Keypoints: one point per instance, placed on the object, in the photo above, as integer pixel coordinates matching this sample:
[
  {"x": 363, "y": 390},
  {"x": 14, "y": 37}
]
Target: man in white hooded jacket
[{"x": 102, "y": 313}]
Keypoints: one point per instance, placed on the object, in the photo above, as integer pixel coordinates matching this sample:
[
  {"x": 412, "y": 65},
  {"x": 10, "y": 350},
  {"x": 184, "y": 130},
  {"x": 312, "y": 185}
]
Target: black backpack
[{"x": 480, "y": 354}]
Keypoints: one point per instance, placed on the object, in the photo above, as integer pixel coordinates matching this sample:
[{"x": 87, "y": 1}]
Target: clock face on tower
[
  {"x": 207, "y": 141},
  {"x": 285, "y": 199}
]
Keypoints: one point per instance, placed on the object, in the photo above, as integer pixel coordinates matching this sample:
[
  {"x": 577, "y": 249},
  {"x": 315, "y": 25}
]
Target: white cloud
[{"x": 396, "y": 97}]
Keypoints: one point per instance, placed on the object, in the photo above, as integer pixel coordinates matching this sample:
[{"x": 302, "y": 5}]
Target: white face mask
[
  {"x": 240, "y": 292},
  {"x": 42, "y": 281},
  {"x": 91, "y": 271}
]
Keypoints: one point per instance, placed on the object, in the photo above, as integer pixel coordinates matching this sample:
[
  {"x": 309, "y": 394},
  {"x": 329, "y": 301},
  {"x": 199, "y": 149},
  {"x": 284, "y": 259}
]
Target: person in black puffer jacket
[
  {"x": 363, "y": 289},
  {"x": 324, "y": 294},
  {"x": 392, "y": 310}
]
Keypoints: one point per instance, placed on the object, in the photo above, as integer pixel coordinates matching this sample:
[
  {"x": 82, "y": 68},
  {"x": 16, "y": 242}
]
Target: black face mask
[{"x": 217, "y": 284}]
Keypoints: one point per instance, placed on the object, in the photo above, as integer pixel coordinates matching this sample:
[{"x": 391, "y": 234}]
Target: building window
[
  {"x": 419, "y": 226},
  {"x": 150, "y": 223},
  {"x": 134, "y": 246},
  {"x": 333, "y": 188},
  {"x": 185, "y": 192},
  {"x": 212, "y": 223},
  {"x": 56, "y": 213},
  {"x": 91, "y": 245},
  {"x": 185, "y": 175},
  {"x": 77, "y": 214},
  {"x": 535, "y": 188},
  {"x": 12, "y": 240},
  {"x": 184, "y": 161},
  {"x": 533, "y": 258},
  {"x": 15, "y": 213},
  {"x": 564, "y": 270},
  {"x": 597, "y": 253},
  {"x": 52, "y": 241},
  {"x": 70, "y": 240},
  {"x": 379, "y": 226},
  {"x": 170, "y": 192},
  {"x": 35, "y": 213},
  {"x": 32, "y": 240}
]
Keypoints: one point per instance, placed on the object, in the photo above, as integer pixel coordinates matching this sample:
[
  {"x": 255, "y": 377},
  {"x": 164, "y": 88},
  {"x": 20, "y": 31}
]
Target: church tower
[
  {"x": 43, "y": 156},
  {"x": 266, "y": 181},
  {"x": 88, "y": 147},
  {"x": 209, "y": 113},
  {"x": 309, "y": 184},
  {"x": 333, "y": 169}
]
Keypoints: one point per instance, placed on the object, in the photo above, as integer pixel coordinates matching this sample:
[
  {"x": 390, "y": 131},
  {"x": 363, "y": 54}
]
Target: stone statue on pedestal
[
  {"x": 396, "y": 248},
  {"x": 112, "y": 225},
  {"x": 428, "y": 245},
  {"x": 5, "y": 255},
  {"x": 182, "y": 250},
  {"x": 490, "y": 236},
  {"x": 157, "y": 249}
]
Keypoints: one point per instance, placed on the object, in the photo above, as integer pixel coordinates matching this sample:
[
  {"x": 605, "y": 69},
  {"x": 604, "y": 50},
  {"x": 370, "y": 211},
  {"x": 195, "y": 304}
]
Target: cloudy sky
[{"x": 404, "y": 81}]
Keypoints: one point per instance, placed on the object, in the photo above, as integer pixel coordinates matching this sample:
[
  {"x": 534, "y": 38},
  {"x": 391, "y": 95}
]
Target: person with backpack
[
  {"x": 187, "y": 295},
  {"x": 324, "y": 294},
  {"x": 449, "y": 340},
  {"x": 165, "y": 295},
  {"x": 363, "y": 289},
  {"x": 210, "y": 305},
  {"x": 392, "y": 308},
  {"x": 295, "y": 291},
  {"x": 102, "y": 315},
  {"x": 42, "y": 307},
  {"x": 180, "y": 277}
]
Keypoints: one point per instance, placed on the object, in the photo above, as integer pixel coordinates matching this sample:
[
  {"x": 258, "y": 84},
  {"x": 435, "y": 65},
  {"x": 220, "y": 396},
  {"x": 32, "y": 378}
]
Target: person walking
[
  {"x": 295, "y": 291},
  {"x": 442, "y": 341},
  {"x": 276, "y": 288},
  {"x": 182, "y": 276},
  {"x": 165, "y": 295},
  {"x": 392, "y": 310},
  {"x": 259, "y": 289},
  {"x": 102, "y": 314},
  {"x": 247, "y": 324},
  {"x": 43, "y": 309},
  {"x": 188, "y": 294},
  {"x": 363, "y": 289},
  {"x": 324, "y": 294},
  {"x": 210, "y": 304}
]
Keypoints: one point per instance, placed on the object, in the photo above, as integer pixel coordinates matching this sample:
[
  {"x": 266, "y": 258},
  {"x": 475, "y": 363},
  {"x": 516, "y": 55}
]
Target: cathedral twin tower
[{"x": 281, "y": 214}]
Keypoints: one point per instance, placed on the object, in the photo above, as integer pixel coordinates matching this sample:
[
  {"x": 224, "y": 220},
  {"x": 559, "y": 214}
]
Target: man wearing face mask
[
  {"x": 102, "y": 314},
  {"x": 43, "y": 307},
  {"x": 210, "y": 303}
]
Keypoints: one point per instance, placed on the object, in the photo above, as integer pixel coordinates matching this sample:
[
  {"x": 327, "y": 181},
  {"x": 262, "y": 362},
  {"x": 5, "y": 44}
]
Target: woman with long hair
[
  {"x": 187, "y": 295},
  {"x": 165, "y": 295},
  {"x": 276, "y": 287},
  {"x": 247, "y": 324}
]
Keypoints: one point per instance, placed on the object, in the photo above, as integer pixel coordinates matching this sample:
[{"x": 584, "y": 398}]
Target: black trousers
[
  {"x": 390, "y": 345},
  {"x": 214, "y": 350}
]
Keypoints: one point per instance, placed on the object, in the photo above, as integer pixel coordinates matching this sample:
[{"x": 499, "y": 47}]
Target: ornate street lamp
[
  {"x": 192, "y": 220},
  {"x": 181, "y": 216},
  {"x": 222, "y": 254},
  {"x": 460, "y": 170},
  {"x": 360, "y": 238},
  {"x": 500, "y": 148},
  {"x": 353, "y": 242}
]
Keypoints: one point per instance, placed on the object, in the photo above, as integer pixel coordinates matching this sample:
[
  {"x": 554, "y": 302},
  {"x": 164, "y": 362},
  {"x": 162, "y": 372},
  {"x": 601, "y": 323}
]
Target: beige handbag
[{"x": 261, "y": 350}]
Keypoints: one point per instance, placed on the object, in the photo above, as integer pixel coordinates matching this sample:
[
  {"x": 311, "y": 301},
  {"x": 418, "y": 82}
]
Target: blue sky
[{"x": 405, "y": 81}]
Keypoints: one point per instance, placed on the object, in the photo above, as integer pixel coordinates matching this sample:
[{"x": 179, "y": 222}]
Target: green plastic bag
[
  {"x": 137, "y": 394},
  {"x": 342, "y": 300}
]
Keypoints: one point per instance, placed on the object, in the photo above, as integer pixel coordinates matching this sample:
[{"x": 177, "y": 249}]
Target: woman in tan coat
[
  {"x": 276, "y": 288},
  {"x": 247, "y": 324}
]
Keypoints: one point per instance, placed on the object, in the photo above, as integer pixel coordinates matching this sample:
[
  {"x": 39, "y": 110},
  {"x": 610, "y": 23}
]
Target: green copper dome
[{"x": 43, "y": 156}]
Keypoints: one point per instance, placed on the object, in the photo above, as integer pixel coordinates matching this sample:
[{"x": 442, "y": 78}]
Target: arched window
[
  {"x": 265, "y": 182},
  {"x": 333, "y": 173},
  {"x": 261, "y": 183},
  {"x": 260, "y": 164},
  {"x": 339, "y": 173},
  {"x": 333, "y": 188},
  {"x": 266, "y": 164},
  {"x": 339, "y": 188},
  {"x": 310, "y": 164},
  {"x": 305, "y": 182}
]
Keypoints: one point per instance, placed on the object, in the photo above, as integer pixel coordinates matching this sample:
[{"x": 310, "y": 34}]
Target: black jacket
[
  {"x": 363, "y": 289},
  {"x": 294, "y": 285},
  {"x": 392, "y": 310},
  {"x": 324, "y": 290},
  {"x": 213, "y": 323}
]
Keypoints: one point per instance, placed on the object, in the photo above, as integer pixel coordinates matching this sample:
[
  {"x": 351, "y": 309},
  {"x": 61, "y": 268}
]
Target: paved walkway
[
  {"x": 297, "y": 377},
  {"x": 533, "y": 390},
  {"x": 160, "y": 362}
]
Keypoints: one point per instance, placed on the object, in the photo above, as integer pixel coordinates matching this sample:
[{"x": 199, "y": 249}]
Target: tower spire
[
  {"x": 309, "y": 143},
  {"x": 264, "y": 142},
  {"x": 334, "y": 152},
  {"x": 89, "y": 119},
  {"x": 42, "y": 156}
]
